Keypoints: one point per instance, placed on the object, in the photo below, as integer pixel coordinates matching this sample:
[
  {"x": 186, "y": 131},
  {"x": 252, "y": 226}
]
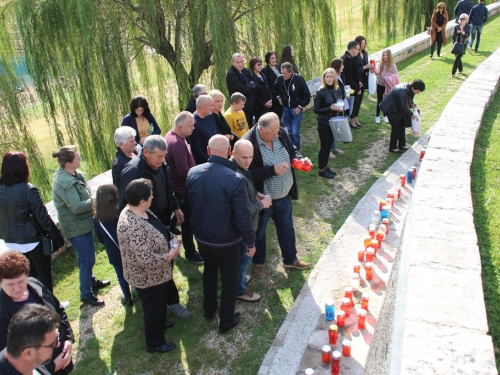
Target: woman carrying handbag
[{"x": 461, "y": 33}]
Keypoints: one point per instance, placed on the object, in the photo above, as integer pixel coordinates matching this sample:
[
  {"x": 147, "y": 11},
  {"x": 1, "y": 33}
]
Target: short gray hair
[
  {"x": 266, "y": 119},
  {"x": 155, "y": 142},
  {"x": 123, "y": 134},
  {"x": 182, "y": 117},
  {"x": 235, "y": 55},
  {"x": 197, "y": 89}
]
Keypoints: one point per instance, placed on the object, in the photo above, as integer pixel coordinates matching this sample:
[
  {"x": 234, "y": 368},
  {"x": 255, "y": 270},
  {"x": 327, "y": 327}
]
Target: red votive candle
[
  {"x": 346, "y": 348},
  {"x": 357, "y": 268},
  {"x": 386, "y": 223},
  {"x": 333, "y": 334},
  {"x": 367, "y": 241},
  {"x": 370, "y": 254},
  {"x": 369, "y": 270},
  {"x": 361, "y": 255},
  {"x": 346, "y": 307},
  {"x": 402, "y": 177},
  {"x": 327, "y": 353},
  {"x": 381, "y": 204},
  {"x": 335, "y": 363},
  {"x": 362, "y": 319},
  {"x": 380, "y": 236},
  {"x": 348, "y": 294},
  {"x": 375, "y": 245},
  {"x": 341, "y": 318}
]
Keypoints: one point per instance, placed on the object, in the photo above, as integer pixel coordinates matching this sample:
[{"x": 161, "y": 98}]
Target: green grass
[
  {"x": 485, "y": 172},
  {"x": 115, "y": 340}
]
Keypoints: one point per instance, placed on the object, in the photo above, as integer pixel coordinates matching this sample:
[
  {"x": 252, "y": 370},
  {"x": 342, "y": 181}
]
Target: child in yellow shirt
[{"x": 235, "y": 116}]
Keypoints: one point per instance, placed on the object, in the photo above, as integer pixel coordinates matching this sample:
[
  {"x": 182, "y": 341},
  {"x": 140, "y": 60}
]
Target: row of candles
[{"x": 372, "y": 243}]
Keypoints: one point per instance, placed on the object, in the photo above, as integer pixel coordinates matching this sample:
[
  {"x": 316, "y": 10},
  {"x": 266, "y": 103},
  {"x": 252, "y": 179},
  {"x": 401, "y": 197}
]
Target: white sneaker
[
  {"x": 377, "y": 120},
  {"x": 386, "y": 119},
  {"x": 64, "y": 304},
  {"x": 331, "y": 155}
]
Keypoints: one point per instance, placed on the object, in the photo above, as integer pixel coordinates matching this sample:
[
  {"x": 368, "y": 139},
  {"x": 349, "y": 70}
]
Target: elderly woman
[
  {"x": 263, "y": 95},
  {"x": 218, "y": 111},
  {"x": 125, "y": 151},
  {"x": 18, "y": 290},
  {"x": 73, "y": 202},
  {"x": 23, "y": 216},
  {"x": 461, "y": 33},
  {"x": 147, "y": 250},
  {"x": 141, "y": 119},
  {"x": 438, "y": 28},
  {"x": 326, "y": 106}
]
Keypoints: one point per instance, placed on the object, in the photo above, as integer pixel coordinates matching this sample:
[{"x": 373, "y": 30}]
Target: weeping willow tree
[{"x": 86, "y": 58}]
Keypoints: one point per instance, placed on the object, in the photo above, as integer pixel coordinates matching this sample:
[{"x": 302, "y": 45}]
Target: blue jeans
[
  {"x": 244, "y": 263},
  {"x": 334, "y": 145},
  {"x": 292, "y": 123},
  {"x": 475, "y": 29},
  {"x": 123, "y": 284},
  {"x": 281, "y": 212},
  {"x": 85, "y": 250}
]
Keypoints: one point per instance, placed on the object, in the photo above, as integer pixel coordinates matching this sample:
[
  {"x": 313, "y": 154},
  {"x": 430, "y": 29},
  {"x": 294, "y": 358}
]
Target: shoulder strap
[
  {"x": 33, "y": 218},
  {"x": 109, "y": 235}
]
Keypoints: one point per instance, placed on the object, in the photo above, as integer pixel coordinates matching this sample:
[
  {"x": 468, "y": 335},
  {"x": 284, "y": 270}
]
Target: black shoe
[
  {"x": 210, "y": 316},
  {"x": 331, "y": 171},
  {"x": 325, "y": 174},
  {"x": 100, "y": 283},
  {"x": 195, "y": 258},
  {"x": 404, "y": 148},
  {"x": 94, "y": 301},
  {"x": 168, "y": 346},
  {"x": 169, "y": 324},
  {"x": 236, "y": 321},
  {"x": 396, "y": 151},
  {"x": 127, "y": 301},
  {"x": 360, "y": 125}
]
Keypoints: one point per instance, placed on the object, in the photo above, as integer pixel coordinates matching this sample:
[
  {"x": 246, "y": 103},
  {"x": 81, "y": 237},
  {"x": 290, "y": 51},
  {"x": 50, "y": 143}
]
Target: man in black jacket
[
  {"x": 151, "y": 165},
  {"x": 196, "y": 91},
  {"x": 293, "y": 94},
  {"x": 220, "y": 218},
  {"x": 396, "y": 106},
  {"x": 463, "y": 6},
  {"x": 477, "y": 18},
  {"x": 351, "y": 70},
  {"x": 273, "y": 175},
  {"x": 239, "y": 79}
]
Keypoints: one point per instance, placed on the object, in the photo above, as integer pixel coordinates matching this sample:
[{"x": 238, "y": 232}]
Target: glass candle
[
  {"x": 367, "y": 240},
  {"x": 380, "y": 236},
  {"x": 355, "y": 281},
  {"x": 364, "y": 301},
  {"x": 376, "y": 217},
  {"x": 375, "y": 245},
  {"x": 385, "y": 212},
  {"x": 329, "y": 310},
  {"x": 346, "y": 348},
  {"x": 398, "y": 190},
  {"x": 357, "y": 268},
  {"x": 381, "y": 204},
  {"x": 383, "y": 228},
  {"x": 327, "y": 353},
  {"x": 402, "y": 178},
  {"x": 414, "y": 169},
  {"x": 333, "y": 334},
  {"x": 369, "y": 270},
  {"x": 362, "y": 319},
  {"x": 386, "y": 223},
  {"x": 422, "y": 152},
  {"x": 361, "y": 255},
  {"x": 348, "y": 294},
  {"x": 309, "y": 371},
  {"x": 370, "y": 254},
  {"x": 409, "y": 175},
  {"x": 335, "y": 363},
  {"x": 371, "y": 231},
  {"x": 341, "y": 318},
  {"x": 346, "y": 308}
]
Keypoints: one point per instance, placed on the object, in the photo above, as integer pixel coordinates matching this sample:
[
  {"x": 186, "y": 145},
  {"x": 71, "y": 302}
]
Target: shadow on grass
[{"x": 484, "y": 172}]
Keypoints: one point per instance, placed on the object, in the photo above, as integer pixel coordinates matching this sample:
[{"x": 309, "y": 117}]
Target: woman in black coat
[
  {"x": 23, "y": 215},
  {"x": 272, "y": 71},
  {"x": 263, "y": 95},
  {"x": 461, "y": 33},
  {"x": 326, "y": 106},
  {"x": 363, "y": 70}
]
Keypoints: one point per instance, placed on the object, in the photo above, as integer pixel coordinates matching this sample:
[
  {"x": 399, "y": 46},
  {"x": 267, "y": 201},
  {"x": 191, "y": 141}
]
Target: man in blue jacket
[
  {"x": 477, "y": 18},
  {"x": 463, "y": 6},
  {"x": 220, "y": 219}
]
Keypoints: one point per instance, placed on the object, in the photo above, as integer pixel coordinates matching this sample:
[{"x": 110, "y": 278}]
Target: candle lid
[
  {"x": 309, "y": 371},
  {"x": 355, "y": 275},
  {"x": 334, "y": 327},
  {"x": 386, "y": 220},
  {"x": 346, "y": 342},
  {"x": 371, "y": 227},
  {"x": 347, "y": 289},
  {"x": 342, "y": 312},
  {"x": 376, "y": 212},
  {"x": 369, "y": 265},
  {"x": 401, "y": 176},
  {"x": 374, "y": 242},
  {"x": 366, "y": 295},
  {"x": 410, "y": 170},
  {"x": 336, "y": 354},
  {"x": 346, "y": 301},
  {"x": 329, "y": 302},
  {"x": 385, "y": 208},
  {"x": 326, "y": 348},
  {"x": 362, "y": 312},
  {"x": 370, "y": 250}
]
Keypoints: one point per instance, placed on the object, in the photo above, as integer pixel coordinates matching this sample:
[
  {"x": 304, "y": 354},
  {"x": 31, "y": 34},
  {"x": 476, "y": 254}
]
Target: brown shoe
[
  {"x": 299, "y": 264},
  {"x": 259, "y": 271},
  {"x": 249, "y": 296}
]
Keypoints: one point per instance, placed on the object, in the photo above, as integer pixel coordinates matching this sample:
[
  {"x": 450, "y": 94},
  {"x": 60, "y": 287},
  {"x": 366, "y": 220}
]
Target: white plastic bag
[
  {"x": 372, "y": 83},
  {"x": 416, "y": 124},
  {"x": 340, "y": 129}
]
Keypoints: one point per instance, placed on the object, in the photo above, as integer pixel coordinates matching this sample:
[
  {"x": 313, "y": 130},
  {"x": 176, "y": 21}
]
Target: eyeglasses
[
  {"x": 52, "y": 346},
  {"x": 462, "y": 19},
  {"x": 259, "y": 64}
]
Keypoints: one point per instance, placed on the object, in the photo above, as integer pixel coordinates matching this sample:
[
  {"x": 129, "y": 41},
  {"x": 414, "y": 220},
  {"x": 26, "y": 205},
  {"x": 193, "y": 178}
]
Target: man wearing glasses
[{"x": 33, "y": 336}]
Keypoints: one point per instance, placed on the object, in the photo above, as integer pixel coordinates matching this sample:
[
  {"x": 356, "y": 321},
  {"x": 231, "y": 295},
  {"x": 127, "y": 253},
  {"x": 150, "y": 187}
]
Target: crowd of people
[{"x": 219, "y": 175}]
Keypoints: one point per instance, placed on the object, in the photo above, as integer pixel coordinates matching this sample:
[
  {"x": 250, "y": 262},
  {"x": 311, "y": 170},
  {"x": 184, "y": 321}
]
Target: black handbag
[
  {"x": 458, "y": 48},
  {"x": 48, "y": 244}
]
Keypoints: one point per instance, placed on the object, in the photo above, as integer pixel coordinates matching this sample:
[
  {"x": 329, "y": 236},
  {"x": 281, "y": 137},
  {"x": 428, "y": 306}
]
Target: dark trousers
[
  {"x": 172, "y": 292},
  {"x": 249, "y": 116},
  {"x": 357, "y": 104},
  {"x": 259, "y": 111},
  {"x": 227, "y": 260},
  {"x": 397, "y": 133},
  {"x": 277, "y": 108},
  {"x": 40, "y": 266},
  {"x": 326, "y": 139},
  {"x": 380, "y": 96},
  {"x": 187, "y": 232},
  {"x": 439, "y": 41},
  {"x": 154, "y": 300},
  {"x": 457, "y": 64}
]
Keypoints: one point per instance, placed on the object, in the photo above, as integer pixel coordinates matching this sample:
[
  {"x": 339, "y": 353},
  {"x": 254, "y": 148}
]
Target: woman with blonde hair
[
  {"x": 218, "y": 111},
  {"x": 387, "y": 78},
  {"x": 438, "y": 28},
  {"x": 326, "y": 106},
  {"x": 461, "y": 34}
]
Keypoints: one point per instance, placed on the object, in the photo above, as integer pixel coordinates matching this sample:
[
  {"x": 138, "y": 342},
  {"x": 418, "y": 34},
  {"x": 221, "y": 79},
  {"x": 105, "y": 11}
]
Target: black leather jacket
[
  {"x": 16, "y": 225},
  {"x": 324, "y": 98},
  {"x": 398, "y": 101}
]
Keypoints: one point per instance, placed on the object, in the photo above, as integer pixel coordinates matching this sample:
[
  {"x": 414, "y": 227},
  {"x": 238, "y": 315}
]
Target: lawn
[{"x": 111, "y": 339}]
